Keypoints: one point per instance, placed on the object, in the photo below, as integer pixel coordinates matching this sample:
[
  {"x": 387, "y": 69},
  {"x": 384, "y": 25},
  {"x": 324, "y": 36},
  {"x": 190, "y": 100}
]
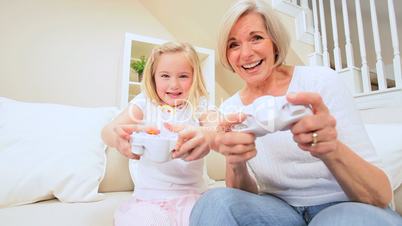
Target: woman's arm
[
  {"x": 237, "y": 148},
  {"x": 360, "y": 180},
  {"x": 239, "y": 177}
]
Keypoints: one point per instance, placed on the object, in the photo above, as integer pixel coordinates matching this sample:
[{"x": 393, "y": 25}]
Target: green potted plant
[{"x": 138, "y": 66}]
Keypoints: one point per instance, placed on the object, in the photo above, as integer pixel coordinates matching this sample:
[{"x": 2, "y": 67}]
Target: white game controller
[
  {"x": 268, "y": 114},
  {"x": 156, "y": 148}
]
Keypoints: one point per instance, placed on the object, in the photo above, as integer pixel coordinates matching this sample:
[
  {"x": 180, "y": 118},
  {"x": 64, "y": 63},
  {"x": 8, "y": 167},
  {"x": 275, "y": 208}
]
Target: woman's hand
[
  {"x": 315, "y": 133},
  {"x": 193, "y": 142},
  {"x": 196, "y": 142},
  {"x": 237, "y": 147},
  {"x": 361, "y": 181},
  {"x": 122, "y": 140}
]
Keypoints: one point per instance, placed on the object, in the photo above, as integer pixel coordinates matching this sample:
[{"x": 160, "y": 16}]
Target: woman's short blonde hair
[
  {"x": 197, "y": 89},
  {"x": 274, "y": 28}
]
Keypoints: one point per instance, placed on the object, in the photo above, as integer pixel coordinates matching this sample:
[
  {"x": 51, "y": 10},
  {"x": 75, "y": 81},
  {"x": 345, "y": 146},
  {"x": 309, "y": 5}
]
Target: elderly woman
[{"x": 323, "y": 171}]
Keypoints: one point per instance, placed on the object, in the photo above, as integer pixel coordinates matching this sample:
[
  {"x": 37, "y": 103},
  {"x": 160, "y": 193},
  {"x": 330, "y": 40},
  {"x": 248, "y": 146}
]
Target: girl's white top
[
  {"x": 173, "y": 178},
  {"x": 281, "y": 168}
]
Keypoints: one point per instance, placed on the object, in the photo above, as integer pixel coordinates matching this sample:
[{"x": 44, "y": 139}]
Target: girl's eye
[
  {"x": 183, "y": 76},
  {"x": 164, "y": 75}
]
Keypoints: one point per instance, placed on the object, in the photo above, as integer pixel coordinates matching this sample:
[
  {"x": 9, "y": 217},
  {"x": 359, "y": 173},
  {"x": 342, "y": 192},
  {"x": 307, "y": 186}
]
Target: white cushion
[
  {"x": 54, "y": 213},
  {"x": 387, "y": 141},
  {"x": 50, "y": 150},
  {"x": 4, "y": 99}
]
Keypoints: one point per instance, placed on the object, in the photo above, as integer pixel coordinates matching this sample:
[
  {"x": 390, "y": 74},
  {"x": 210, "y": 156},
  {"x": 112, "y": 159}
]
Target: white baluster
[
  {"x": 348, "y": 46},
  {"x": 304, "y": 4},
  {"x": 323, "y": 35},
  {"x": 315, "y": 58},
  {"x": 364, "y": 69},
  {"x": 377, "y": 46},
  {"x": 317, "y": 39},
  {"x": 337, "y": 50},
  {"x": 395, "y": 45}
]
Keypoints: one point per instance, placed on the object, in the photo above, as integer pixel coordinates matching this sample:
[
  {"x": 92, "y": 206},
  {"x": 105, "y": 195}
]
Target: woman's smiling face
[{"x": 250, "y": 50}]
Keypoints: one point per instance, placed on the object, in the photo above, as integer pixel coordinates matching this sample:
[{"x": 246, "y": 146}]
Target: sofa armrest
[
  {"x": 398, "y": 199},
  {"x": 216, "y": 166},
  {"x": 117, "y": 176}
]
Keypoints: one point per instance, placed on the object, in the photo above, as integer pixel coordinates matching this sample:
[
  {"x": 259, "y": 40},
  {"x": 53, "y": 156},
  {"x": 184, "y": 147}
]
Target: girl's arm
[
  {"x": 238, "y": 148},
  {"x": 117, "y": 133},
  {"x": 195, "y": 142}
]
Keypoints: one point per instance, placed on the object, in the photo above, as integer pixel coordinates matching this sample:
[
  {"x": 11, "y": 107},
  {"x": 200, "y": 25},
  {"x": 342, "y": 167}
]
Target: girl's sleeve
[
  {"x": 205, "y": 105},
  {"x": 140, "y": 100}
]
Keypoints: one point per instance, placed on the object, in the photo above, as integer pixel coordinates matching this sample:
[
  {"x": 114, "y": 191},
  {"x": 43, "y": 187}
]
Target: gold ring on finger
[{"x": 314, "y": 137}]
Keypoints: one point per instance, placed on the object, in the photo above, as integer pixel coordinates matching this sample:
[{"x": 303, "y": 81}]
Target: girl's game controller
[{"x": 154, "y": 147}]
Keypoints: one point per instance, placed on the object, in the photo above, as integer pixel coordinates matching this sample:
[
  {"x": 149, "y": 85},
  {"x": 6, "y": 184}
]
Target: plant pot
[{"x": 139, "y": 77}]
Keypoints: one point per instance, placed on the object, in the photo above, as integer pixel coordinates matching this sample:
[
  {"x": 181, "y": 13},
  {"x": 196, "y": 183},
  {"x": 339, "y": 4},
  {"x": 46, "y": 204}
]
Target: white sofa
[{"x": 117, "y": 187}]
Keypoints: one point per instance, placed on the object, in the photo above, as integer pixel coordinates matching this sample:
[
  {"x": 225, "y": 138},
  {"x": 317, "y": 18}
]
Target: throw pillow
[
  {"x": 386, "y": 138},
  {"x": 50, "y": 150}
]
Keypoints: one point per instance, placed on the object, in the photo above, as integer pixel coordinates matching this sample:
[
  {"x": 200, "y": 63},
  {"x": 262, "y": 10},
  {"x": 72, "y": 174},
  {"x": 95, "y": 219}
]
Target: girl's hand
[
  {"x": 315, "y": 133},
  {"x": 193, "y": 142},
  {"x": 237, "y": 147},
  {"x": 123, "y": 138}
]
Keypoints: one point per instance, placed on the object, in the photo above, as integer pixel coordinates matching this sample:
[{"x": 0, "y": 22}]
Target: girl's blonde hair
[
  {"x": 274, "y": 27},
  {"x": 197, "y": 89}
]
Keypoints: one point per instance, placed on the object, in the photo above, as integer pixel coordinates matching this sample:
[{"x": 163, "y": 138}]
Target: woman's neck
[{"x": 276, "y": 84}]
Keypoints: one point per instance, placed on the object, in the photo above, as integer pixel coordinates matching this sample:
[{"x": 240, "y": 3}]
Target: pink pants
[{"x": 172, "y": 212}]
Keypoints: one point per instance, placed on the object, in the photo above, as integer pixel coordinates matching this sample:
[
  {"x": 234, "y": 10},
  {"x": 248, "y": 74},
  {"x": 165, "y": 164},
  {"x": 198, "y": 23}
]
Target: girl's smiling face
[
  {"x": 173, "y": 78},
  {"x": 250, "y": 50}
]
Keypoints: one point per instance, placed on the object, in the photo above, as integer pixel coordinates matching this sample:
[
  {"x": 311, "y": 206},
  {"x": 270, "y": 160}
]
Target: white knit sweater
[{"x": 282, "y": 169}]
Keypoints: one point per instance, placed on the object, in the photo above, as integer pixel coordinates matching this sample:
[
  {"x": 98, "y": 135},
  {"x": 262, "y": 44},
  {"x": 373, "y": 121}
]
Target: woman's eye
[
  {"x": 164, "y": 75},
  {"x": 233, "y": 45},
  {"x": 183, "y": 76},
  {"x": 256, "y": 38}
]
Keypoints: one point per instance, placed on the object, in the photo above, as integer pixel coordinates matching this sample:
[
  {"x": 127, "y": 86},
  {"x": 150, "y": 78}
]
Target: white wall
[
  {"x": 70, "y": 51},
  {"x": 382, "y": 115},
  {"x": 66, "y": 51}
]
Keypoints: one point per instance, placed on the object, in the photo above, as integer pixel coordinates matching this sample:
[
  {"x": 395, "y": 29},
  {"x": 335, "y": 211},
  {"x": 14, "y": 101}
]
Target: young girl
[{"x": 172, "y": 89}]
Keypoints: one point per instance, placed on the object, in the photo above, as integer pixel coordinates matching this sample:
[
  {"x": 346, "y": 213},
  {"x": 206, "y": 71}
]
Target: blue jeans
[{"x": 231, "y": 207}]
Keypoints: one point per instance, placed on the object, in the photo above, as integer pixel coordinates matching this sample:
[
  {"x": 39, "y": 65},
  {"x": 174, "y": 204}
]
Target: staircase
[{"x": 357, "y": 38}]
